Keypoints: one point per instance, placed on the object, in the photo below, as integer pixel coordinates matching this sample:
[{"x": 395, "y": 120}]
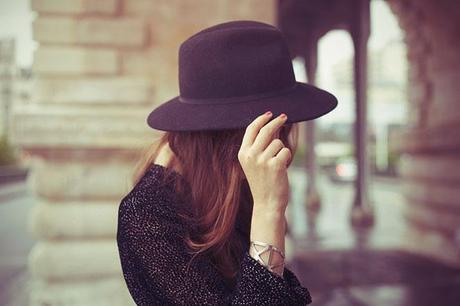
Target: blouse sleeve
[{"x": 154, "y": 261}]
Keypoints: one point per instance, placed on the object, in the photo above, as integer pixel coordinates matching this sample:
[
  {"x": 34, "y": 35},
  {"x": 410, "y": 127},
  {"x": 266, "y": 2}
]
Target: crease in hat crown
[
  {"x": 232, "y": 25},
  {"x": 233, "y": 59}
]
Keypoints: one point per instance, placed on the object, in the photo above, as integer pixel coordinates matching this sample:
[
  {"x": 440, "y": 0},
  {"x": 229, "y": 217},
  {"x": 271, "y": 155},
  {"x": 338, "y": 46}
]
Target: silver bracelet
[{"x": 270, "y": 248}]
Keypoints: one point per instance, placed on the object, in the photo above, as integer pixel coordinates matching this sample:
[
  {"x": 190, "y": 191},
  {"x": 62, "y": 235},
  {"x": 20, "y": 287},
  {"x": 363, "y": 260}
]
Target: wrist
[
  {"x": 269, "y": 227},
  {"x": 260, "y": 211}
]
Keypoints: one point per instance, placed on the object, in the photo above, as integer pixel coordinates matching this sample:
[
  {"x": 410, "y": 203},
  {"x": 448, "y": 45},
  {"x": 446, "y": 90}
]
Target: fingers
[
  {"x": 284, "y": 156},
  {"x": 273, "y": 148},
  {"x": 266, "y": 133},
  {"x": 253, "y": 129}
]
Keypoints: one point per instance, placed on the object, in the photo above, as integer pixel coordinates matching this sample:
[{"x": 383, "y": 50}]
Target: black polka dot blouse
[{"x": 154, "y": 258}]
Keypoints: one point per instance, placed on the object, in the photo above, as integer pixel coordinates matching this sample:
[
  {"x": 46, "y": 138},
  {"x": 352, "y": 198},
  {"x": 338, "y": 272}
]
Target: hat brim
[{"x": 304, "y": 102}]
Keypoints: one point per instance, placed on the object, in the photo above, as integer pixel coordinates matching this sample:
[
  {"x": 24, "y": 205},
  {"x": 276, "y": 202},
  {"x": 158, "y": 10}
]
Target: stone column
[
  {"x": 100, "y": 68},
  {"x": 431, "y": 166}
]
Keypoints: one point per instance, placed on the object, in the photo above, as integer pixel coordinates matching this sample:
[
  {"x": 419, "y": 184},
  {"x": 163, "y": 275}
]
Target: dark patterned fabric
[{"x": 154, "y": 257}]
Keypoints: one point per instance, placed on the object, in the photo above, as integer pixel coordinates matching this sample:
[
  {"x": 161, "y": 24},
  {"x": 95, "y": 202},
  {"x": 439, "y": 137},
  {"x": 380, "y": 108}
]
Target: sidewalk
[
  {"x": 9, "y": 191},
  {"x": 15, "y": 242}
]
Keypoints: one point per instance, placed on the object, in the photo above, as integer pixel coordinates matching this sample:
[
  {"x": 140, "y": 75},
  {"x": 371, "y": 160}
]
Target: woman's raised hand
[{"x": 264, "y": 160}]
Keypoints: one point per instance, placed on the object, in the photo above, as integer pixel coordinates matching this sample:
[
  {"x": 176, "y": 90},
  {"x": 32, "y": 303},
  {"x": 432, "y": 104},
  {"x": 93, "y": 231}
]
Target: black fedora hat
[{"x": 232, "y": 72}]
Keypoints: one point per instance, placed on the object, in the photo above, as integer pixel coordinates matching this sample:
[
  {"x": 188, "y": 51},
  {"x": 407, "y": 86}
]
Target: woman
[{"x": 204, "y": 223}]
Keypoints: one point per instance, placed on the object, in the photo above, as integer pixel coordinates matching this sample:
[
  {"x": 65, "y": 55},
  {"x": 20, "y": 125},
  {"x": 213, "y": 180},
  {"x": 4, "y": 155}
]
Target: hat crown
[{"x": 234, "y": 59}]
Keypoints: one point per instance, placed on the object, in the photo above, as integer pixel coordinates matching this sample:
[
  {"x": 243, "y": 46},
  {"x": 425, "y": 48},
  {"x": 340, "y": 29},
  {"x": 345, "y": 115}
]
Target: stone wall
[
  {"x": 101, "y": 66},
  {"x": 431, "y": 167}
]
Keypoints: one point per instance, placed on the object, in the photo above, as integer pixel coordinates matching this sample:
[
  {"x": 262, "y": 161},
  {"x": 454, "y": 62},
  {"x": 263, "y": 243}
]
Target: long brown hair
[{"x": 208, "y": 161}]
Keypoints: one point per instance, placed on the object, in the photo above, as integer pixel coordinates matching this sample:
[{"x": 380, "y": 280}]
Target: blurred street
[
  {"x": 369, "y": 268},
  {"x": 15, "y": 241},
  {"x": 331, "y": 228}
]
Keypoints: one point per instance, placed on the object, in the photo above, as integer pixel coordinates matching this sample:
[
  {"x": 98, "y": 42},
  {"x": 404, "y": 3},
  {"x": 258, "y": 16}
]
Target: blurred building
[
  {"x": 15, "y": 83},
  {"x": 7, "y": 66},
  {"x": 387, "y": 99},
  {"x": 15, "y": 88}
]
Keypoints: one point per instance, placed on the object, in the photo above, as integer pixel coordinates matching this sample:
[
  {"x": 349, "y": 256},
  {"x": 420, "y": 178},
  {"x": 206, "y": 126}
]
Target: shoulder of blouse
[
  {"x": 147, "y": 218},
  {"x": 152, "y": 190}
]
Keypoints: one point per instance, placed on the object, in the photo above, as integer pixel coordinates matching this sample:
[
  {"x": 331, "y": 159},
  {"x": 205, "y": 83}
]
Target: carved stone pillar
[{"x": 431, "y": 144}]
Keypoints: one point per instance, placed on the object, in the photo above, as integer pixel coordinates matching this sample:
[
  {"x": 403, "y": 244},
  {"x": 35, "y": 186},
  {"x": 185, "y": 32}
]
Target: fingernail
[
  {"x": 269, "y": 113},
  {"x": 283, "y": 115}
]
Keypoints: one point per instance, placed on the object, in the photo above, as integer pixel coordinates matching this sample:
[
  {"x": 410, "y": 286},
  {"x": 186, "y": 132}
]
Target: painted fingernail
[{"x": 269, "y": 113}]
